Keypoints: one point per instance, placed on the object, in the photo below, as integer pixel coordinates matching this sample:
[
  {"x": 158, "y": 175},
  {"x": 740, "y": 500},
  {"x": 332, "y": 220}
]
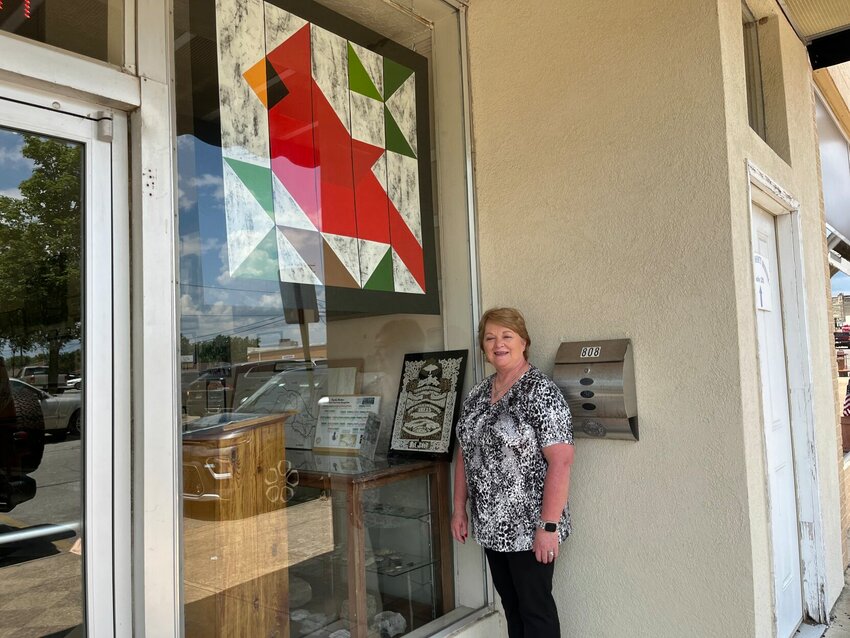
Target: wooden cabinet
[{"x": 236, "y": 550}]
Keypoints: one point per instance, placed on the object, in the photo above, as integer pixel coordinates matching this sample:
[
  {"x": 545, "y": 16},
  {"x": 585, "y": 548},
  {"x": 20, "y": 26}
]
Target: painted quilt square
[{"x": 321, "y": 130}]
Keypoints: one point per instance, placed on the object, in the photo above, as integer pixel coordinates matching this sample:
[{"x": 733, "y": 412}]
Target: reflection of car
[
  {"x": 61, "y": 412},
  {"x": 38, "y": 376},
  {"x": 21, "y": 442},
  {"x": 225, "y": 387},
  {"x": 211, "y": 444},
  {"x": 297, "y": 388}
]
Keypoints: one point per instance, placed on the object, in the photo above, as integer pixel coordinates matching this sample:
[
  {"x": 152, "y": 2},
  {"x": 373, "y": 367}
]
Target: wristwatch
[{"x": 547, "y": 526}]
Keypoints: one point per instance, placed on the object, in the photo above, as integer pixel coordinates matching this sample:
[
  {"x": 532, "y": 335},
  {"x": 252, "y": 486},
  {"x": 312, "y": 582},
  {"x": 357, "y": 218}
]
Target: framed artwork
[
  {"x": 428, "y": 404},
  {"x": 325, "y": 156}
]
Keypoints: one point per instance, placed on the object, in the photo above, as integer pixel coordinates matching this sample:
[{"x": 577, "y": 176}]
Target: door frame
[
  {"x": 106, "y": 364},
  {"x": 770, "y": 196}
]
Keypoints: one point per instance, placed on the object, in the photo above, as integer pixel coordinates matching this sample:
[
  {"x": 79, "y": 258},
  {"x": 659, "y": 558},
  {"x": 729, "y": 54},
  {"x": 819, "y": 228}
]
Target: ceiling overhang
[
  {"x": 824, "y": 26},
  {"x": 838, "y": 251}
]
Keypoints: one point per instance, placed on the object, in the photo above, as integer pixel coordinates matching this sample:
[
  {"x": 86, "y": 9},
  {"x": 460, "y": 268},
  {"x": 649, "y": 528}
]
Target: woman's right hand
[{"x": 460, "y": 525}]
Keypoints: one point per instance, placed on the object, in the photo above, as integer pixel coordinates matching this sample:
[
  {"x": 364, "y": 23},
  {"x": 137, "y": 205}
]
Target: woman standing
[{"x": 514, "y": 465}]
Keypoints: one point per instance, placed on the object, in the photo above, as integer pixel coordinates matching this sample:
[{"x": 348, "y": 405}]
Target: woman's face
[{"x": 503, "y": 347}]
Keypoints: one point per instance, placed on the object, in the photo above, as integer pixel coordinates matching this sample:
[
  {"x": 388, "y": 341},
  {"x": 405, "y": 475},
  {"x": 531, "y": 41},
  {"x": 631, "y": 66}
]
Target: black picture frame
[{"x": 428, "y": 404}]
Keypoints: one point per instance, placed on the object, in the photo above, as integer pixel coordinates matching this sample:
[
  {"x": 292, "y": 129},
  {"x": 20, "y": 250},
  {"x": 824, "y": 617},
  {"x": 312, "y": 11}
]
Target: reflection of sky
[
  {"x": 212, "y": 302},
  {"x": 840, "y": 283},
  {"x": 14, "y": 167}
]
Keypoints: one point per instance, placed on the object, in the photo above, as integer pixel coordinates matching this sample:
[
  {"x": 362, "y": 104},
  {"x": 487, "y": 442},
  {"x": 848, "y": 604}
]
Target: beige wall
[
  {"x": 797, "y": 171},
  {"x": 612, "y": 202}
]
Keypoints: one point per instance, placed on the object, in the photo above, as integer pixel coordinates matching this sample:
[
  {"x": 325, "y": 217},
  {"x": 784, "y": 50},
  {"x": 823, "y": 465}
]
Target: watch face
[{"x": 550, "y": 527}]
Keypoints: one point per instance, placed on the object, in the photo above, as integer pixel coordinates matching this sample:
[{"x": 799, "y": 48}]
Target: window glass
[
  {"x": 94, "y": 28},
  {"x": 752, "y": 68},
  {"x": 41, "y": 376},
  {"x": 309, "y": 281}
]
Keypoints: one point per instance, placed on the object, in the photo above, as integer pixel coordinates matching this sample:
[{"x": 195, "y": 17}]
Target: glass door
[{"x": 58, "y": 350}]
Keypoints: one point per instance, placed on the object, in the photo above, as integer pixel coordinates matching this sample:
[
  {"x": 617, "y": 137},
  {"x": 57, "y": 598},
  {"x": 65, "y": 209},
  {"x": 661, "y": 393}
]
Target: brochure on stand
[{"x": 343, "y": 422}]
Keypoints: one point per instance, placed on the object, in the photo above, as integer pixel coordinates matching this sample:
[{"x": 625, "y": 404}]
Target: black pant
[{"x": 525, "y": 587}]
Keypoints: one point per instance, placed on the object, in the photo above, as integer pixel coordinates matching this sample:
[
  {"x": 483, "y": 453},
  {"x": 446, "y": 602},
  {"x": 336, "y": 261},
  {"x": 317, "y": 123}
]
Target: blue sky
[{"x": 840, "y": 283}]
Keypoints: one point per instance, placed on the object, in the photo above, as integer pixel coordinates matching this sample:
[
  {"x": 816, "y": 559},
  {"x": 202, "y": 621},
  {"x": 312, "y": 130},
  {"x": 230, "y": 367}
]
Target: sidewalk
[{"x": 839, "y": 626}]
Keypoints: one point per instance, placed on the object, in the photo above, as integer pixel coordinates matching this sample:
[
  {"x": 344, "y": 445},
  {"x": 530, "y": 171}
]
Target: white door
[
  {"x": 62, "y": 305},
  {"x": 787, "y": 582}
]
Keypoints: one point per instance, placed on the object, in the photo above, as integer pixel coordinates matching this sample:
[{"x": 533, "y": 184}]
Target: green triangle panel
[
  {"x": 382, "y": 277},
  {"x": 358, "y": 77},
  {"x": 395, "y": 139},
  {"x": 258, "y": 180},
  {"x": 262, "y": 263},
  {"x": 394, "y": 76}
]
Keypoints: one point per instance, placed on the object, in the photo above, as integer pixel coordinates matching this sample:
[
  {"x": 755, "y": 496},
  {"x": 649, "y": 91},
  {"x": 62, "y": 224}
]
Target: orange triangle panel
[{"x": 256, "y": 79}]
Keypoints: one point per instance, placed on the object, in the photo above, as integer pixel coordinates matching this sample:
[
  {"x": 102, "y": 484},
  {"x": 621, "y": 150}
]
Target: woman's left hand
[{"x": 545, "y": 546}]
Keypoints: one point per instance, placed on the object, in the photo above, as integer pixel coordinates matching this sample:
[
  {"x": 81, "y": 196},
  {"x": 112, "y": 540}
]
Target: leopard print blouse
[{"x": 502, "y": 445}]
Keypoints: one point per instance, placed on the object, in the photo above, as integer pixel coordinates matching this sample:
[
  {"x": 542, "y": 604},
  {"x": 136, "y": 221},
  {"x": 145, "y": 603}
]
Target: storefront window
[
  {"x": 94, "y": 28},
  {"x": 310, "y": 279}
]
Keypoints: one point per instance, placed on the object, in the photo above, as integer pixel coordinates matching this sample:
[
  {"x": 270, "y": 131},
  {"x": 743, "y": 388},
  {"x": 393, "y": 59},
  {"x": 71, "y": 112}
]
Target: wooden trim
[
  {"x": 835, "y": 101},
  {"x": 440, "y": 485}
]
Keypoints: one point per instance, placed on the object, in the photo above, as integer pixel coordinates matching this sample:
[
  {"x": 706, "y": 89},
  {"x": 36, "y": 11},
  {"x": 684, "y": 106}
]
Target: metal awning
[{"x": 824, "y": 25}]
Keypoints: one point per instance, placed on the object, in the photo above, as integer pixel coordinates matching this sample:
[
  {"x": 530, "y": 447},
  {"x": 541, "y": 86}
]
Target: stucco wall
[
  {"x": 612, "y": 203},
  {"x": 603, "y": 204}
]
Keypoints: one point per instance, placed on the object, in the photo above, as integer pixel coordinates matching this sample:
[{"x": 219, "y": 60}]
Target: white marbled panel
[
  {"x": 402, "y": 279},
  {"x": 280, "y": 26},
  {"x": 347, "y": 250},
  {"x": 240, "y": 45},
  {"x": 402, "y": 105},
  {"x": 374, "y": 65},
  {"x": 330, "y": 70},
  {"x": 371, "y": 253},
  {"x": 403, "y": 189},
  {"x": 293, "y": 269},
  {"x": 379, "y": 170},
  {"x": 287, "y": 212},
  {"x": 367, "y": 119},
  {"x": 247, "y": 222}
]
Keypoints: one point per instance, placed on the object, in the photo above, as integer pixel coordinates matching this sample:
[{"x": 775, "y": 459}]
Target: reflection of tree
[
  {"x": 40, "y": 252},
  {"x": 222, "y": 348}
]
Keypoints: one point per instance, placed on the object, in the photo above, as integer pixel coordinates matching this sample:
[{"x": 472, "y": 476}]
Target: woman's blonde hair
[{"x": 510, "y": 318}]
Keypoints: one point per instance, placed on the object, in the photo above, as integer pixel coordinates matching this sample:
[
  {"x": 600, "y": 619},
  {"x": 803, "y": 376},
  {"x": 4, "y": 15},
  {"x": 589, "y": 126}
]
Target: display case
[
  {"x": 390, "y": 568},
  {"x": 281, "y": 542}
]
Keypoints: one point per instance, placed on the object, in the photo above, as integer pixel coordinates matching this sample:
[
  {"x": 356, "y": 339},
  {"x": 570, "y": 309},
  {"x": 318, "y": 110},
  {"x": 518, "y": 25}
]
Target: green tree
[{"x": 40, "y": 251}]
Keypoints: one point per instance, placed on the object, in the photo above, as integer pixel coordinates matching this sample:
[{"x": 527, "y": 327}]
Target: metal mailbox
[{"x": 598, "y": 380}]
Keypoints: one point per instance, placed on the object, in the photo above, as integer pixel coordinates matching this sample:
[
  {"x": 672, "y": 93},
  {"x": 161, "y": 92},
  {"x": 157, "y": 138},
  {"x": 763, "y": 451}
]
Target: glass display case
[
  {"x": 282, "y": 542},
  {"x": 389, "y": 570}
]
